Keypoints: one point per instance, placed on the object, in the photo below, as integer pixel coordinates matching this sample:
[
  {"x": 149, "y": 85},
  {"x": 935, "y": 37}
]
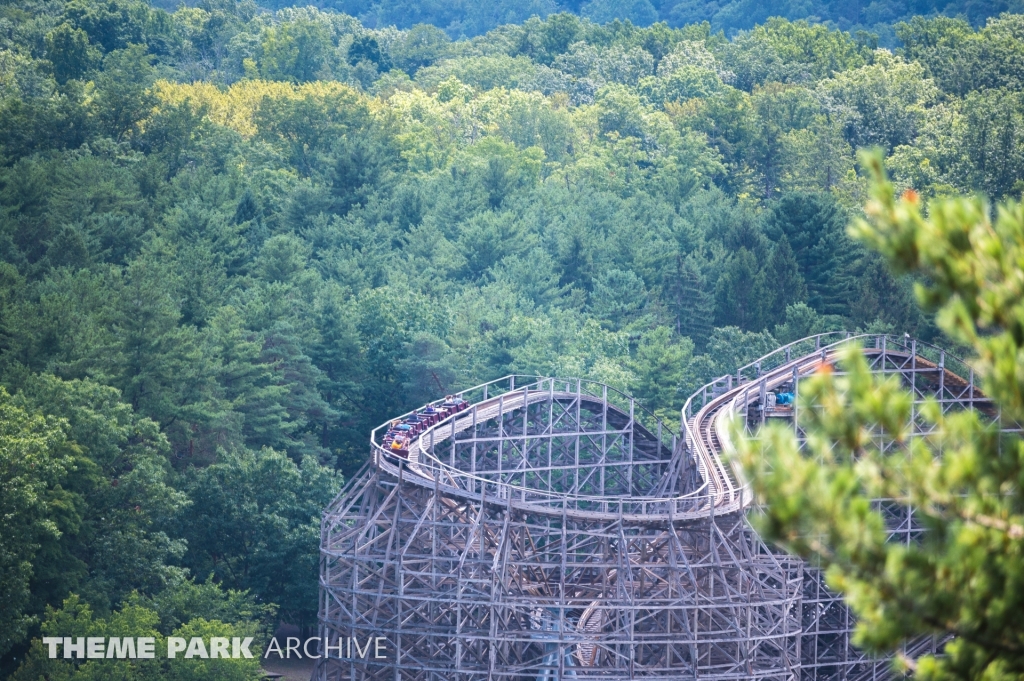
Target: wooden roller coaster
[{"x": 551, "y": 529}]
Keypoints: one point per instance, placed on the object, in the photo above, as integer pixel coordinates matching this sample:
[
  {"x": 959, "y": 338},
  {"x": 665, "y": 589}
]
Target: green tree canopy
[
  {"x": 34, "y": 457},
  {"x": 963, "y": 477}
]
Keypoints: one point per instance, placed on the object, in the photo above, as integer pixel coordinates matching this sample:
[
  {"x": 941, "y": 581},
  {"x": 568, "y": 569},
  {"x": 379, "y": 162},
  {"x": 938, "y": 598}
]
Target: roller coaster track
[
  {"x": 482, "y": 554},
  {"x": 705, "y": 434},
  {"x": 710, "y": 429},
  {"x": 424, "y": 468}
]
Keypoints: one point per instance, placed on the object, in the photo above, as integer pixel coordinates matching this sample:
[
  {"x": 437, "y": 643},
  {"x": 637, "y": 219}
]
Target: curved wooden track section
[{"x": 705, "y": 442}]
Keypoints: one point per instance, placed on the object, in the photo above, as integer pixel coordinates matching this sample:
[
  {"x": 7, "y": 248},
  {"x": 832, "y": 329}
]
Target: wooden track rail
[{"x": 552, "y": 530}]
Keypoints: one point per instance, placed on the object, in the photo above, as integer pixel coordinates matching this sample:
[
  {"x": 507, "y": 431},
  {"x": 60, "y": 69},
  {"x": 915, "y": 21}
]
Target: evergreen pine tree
[
  {"x": 247, "y": 209},
  {"x": 254, "y": 401},
  {"x": 338, "y": 355},
  {"x": 619, "y": 298},
  {"x": 691, "y": 302},
  {"x": 248, "y": 213},
  {"x": 959, "y": 475},
  {"x": 835, "y": 281},
  {"x": 742, "y": 291},
  {"x": 162, "y": 369},
  {"x": 783, "y": 281},
  {"x": 814, "y": 224},
  {"x": 883, "y": 297},
  {"x": 307, "y": 411}
]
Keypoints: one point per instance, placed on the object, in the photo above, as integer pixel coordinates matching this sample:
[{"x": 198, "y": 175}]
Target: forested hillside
[
  {"x": 462, "y": 18},
  {"x": 232, "y": 242}
]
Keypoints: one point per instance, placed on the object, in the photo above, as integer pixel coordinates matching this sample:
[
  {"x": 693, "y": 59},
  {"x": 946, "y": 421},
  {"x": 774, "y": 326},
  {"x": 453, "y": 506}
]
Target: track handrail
[
  {"x": 423, "y": 467},
  {"x": 732, "y": 397},
  {"x": 704, "y": 435}
]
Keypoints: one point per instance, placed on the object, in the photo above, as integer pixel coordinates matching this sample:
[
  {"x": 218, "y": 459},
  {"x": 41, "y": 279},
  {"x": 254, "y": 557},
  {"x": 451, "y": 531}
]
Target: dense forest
[
  {"x": 233, "y": 241},
  {"x": 461, "y": 18}
]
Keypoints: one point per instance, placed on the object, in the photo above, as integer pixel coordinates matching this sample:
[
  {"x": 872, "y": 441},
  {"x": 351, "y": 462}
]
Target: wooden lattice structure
[{"x": 552, "y": 530}]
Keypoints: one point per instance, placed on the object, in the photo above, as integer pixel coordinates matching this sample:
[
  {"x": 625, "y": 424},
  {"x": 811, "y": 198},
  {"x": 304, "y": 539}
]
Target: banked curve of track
[
  {"x": 423, "y": 468},
  {"x": 721, "y": 489},
  {"x": 709, "y": 429}
]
